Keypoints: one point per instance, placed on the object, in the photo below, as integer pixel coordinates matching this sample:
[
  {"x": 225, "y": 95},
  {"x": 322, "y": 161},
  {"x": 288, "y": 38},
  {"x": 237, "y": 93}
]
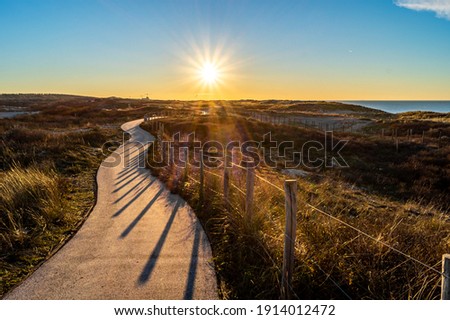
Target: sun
[{"x": 209, "y": 73}]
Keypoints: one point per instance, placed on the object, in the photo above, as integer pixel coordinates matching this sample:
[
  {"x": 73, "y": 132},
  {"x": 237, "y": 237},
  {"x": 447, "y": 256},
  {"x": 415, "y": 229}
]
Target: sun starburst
[{"x": 209, "y": 73}]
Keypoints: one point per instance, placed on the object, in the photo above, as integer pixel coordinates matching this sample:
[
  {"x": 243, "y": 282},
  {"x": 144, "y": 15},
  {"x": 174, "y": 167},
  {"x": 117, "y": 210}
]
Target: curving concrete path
[{"x": 140, "y": 241}]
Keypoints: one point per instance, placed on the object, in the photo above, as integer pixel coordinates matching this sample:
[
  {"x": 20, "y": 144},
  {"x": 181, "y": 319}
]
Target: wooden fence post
[
  {"x": 250, "y": 188},
  {"x": 202, "y": 178},
  {"x": 171, "y": 156},
  {"x": 226, "y": 180},
  {"x": 186, "y": 164},
  {"x": 290, "y": 189},
  {"x": 164, "y": 153},
  {"x": 445, "y": 287},
  {"x": 160, "y": 145}
]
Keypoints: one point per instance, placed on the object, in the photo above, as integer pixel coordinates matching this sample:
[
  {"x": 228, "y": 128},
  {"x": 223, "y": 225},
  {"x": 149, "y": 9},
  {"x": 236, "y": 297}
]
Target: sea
[{"x": 403, "y": 106}]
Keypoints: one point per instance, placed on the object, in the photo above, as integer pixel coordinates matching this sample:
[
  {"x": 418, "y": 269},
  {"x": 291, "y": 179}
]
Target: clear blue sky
[{"x": 300, "y": 49}]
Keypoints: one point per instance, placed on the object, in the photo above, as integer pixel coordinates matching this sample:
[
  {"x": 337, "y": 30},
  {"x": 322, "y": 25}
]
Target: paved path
[{"x": 140, "y": 241}]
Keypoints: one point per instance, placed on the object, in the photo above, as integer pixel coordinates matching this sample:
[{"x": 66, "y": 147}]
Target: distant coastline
[
  {"x": 390, "y": 106},
  {"x": 398, "y": 106}
]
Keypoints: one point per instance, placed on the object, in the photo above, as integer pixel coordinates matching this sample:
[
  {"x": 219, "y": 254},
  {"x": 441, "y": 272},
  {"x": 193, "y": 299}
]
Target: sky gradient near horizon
[{"x": 299, "y": 49}]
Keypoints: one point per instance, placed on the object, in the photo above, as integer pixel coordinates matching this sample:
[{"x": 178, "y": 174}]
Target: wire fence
[
  {"x": 399, "y": 136},
  {"x": 269, "y": 206}
]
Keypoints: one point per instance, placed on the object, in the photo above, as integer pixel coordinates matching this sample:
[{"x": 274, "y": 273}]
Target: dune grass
[
  {"x": 47, "y": 186},
  {"x": 42, "y": 194},
  {"x": 34, "y": 219},
  {"x": 399, "y": 198},
  {"x": 332, "y": 261},
  {"x": 48, "y": 163},
  {"x": 38, "y": 212}
]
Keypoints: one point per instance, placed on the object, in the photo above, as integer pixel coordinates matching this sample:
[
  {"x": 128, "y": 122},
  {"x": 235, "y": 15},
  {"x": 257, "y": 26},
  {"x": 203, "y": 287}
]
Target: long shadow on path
[
  {"x": 190, "y": 283},
  {"x": 128, "y": 176},
  {"x": 140, "y": 215},
  {"x": 151, "y": 263},
  {"x": 131, "y": 189},
  {"x": 119, "y": 212}
]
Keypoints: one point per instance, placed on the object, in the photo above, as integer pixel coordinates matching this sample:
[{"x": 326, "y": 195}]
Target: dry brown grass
[
  {"x": 47, "y": 184},
  {"x": 332, "y": 260},
  {"x": 403, "y": 204},
  {"x": 30, "y": 200}
]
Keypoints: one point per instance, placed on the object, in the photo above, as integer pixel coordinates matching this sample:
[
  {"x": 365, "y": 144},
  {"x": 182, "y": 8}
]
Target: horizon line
[{"x": 238, "y": 99}]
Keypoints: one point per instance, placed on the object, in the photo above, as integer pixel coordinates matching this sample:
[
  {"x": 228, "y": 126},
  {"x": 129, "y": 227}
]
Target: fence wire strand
[
  {"x": 279, "y": 227},
  {"x": 331, "y": 279},
  {"x": 219, "y": 176},
  {"x": 375, "y": 239}
]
